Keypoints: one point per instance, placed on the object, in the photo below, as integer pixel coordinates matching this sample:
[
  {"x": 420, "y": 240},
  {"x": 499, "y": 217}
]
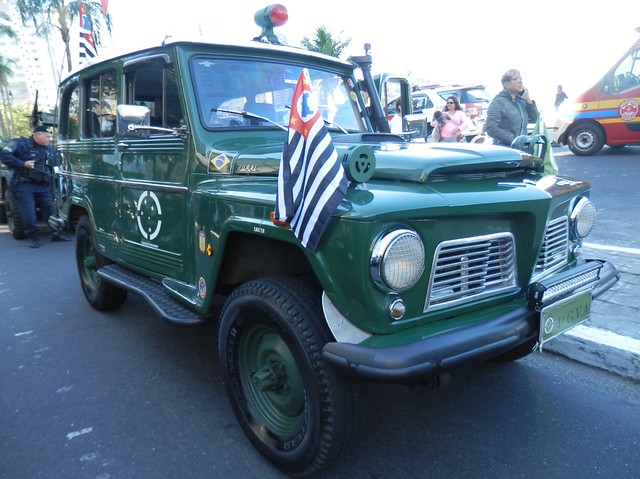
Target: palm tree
[
  {"x": 325, "y": 43},
  {"x": 5, "y": 74},
  {"x": 46, "y": 15}
]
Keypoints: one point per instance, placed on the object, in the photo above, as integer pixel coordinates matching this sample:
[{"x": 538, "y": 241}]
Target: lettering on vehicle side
[
  {"x": 248, "y": 169},
  {"x": 258, "y": 229}
]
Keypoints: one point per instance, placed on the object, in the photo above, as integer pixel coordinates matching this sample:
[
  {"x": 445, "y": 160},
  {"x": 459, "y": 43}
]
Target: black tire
[
  {"x": 100, "y": 294},
  {"x": 518, "y": 352},
  {"x": 296, "y": 410},
  {"x": 3, "y": 211},
  {"x": 14, "y": 218},
  {"x": 586, "y": 140}
]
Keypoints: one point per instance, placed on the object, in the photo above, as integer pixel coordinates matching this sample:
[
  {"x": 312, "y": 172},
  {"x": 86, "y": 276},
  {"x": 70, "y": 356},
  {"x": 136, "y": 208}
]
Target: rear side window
[
  {"x": 70, "y": 113},
  {"x": 101, "y": 101}
]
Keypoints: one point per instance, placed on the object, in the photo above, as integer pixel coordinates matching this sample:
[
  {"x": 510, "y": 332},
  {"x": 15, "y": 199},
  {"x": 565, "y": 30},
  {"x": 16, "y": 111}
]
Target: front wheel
[
  {"x": 296, "y": 410},
  {"x": 586, "y": 140},
  {"x": 100, "y": 294}
]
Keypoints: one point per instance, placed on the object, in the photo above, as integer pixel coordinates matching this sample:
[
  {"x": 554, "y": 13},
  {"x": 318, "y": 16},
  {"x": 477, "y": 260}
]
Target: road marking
[
  {"x": 606, "y": 338},
  {"x": 73, "y": 434},
  {"x": 619, "y": 249}
]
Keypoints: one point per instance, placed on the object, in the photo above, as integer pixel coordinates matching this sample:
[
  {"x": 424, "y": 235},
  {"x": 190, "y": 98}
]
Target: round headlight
[
  {"x": 583, "y": 217},
  {"x": 397, "y": 261}
]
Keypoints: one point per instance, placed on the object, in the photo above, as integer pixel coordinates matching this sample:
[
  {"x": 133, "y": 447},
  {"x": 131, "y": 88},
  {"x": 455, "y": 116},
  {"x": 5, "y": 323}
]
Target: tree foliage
[
  {"x": 5, "y": 74},
  {"x": 49, "y": 15},
  {"x": 324, "y": 42}
]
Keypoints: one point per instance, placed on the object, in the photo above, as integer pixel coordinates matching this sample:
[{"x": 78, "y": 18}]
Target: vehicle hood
[{"x": 402, "y": 161}]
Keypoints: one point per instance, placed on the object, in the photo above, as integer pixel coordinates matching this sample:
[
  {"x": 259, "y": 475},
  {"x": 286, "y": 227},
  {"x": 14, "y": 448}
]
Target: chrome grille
[
  {"x": 471, "y": 268},
  {"x": 555, "y": 246}
]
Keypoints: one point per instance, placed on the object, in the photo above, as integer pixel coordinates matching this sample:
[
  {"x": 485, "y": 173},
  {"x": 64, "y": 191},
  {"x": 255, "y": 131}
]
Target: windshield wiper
[
  {"x": 248, "y": 114},
  {"x": 330, "y": 123}
]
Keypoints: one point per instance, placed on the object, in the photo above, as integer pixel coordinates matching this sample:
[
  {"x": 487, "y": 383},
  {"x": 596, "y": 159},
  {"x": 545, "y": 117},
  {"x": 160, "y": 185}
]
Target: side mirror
[{"x": 129, "y": 118}]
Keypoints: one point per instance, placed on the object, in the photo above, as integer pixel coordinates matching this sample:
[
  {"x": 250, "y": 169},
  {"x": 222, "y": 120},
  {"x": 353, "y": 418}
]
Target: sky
[{"x": 551, "y": 42}]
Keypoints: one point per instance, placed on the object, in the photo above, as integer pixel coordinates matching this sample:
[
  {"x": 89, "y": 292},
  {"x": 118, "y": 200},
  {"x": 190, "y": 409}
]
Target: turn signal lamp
[{"x": 274, "y": 15}]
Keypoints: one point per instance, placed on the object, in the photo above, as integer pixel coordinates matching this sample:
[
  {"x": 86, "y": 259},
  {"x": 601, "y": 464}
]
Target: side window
[
  {"x": 101, "y": 101},
  {"x": 70, "y": 113},
  {"x": 627, "y": 74},
  {"x": 153, "y": 85}
]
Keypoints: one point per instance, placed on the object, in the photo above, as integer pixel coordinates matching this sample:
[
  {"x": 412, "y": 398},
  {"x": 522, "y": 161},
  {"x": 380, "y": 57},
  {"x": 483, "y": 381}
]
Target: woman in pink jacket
[{"x": 455, "y": 121}]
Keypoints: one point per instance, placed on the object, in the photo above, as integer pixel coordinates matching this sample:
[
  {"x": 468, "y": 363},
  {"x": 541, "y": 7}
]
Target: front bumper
[{"x": 458, "y": 347}]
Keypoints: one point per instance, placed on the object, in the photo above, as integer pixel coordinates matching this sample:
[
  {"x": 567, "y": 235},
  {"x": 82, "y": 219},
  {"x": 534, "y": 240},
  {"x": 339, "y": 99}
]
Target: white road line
[
  {"x": 620, "y": 249},
  {"x": 606, "y": 338}
]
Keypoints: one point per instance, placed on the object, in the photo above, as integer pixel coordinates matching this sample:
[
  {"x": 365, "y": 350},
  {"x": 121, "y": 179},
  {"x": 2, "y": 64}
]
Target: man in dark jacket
[
  {"x": 32, "y": 161},
  {"x": 510, "y": 110}
]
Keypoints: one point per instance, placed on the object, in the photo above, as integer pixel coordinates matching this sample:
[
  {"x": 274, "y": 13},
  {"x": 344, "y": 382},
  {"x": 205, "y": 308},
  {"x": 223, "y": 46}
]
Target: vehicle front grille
[
  {"x": 553, "y": 252},
  {"x": 471, "y": 268}
]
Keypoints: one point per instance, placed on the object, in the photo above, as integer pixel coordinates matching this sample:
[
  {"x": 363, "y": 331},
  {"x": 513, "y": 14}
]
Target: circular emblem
[
  {"x": 149, "y": 215},
  {"x": 548, "y": 325},
  {"x": 628, "y": 110},
  {"x": 202, "y": 288}
]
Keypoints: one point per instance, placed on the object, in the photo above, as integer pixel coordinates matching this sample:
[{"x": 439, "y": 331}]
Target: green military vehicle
[{"x": 437, "y": 257}]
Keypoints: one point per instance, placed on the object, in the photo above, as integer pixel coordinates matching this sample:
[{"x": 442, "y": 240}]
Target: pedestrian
[
  {"x": 560, "y": 97},
  {"x": 455, "y": 121},
  {"x": 395, "y": 124},
  {"x": 32, "y": 161},
  {"x": 510, "y": 110}
]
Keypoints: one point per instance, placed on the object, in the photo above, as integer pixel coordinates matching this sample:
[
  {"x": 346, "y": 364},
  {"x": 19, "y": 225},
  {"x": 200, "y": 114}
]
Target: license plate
[{"x": 564, "y": 315}]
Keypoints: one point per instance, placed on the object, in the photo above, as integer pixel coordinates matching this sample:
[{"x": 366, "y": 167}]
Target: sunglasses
[{"x": 450, "y": 103}]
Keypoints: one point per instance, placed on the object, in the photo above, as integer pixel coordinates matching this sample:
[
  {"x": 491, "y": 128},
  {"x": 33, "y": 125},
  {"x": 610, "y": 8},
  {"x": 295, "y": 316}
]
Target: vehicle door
[
  {"x": 153, "y": 192},
  {"x": 620, "y": 100}
]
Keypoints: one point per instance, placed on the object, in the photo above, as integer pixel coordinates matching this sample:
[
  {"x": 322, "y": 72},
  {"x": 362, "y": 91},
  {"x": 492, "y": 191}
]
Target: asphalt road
[
  {"x": 85, "y": 394},
  {"x": 613, "y": 174}
]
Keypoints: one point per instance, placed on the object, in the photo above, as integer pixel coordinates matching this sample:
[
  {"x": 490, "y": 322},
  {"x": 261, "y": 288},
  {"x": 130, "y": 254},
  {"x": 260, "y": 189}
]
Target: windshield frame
[{"x": 241, "y": 93}]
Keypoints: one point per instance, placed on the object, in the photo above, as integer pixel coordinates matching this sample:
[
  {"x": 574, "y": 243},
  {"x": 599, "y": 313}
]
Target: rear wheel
[
  {"x": 586, "y": 140},
  {"x": 100, "y": 294},
  {"x": 297, "y": 411}
]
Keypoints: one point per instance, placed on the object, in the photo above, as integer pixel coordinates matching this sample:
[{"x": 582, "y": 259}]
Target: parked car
[
  {"x": 474, "y": 99},
  {"x": 434, "y": 258},
  {"x": 425, "y": 104}
]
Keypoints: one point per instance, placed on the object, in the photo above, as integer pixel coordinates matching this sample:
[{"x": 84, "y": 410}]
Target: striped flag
[
  {"x": 311, "y": 181},
  {"x": 87, "y": 44}
]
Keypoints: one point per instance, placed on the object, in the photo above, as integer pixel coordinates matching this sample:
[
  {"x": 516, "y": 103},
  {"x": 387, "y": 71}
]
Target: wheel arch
[
  {"x": 248, "y": 256},
  {"x": 564, "y": 138}
]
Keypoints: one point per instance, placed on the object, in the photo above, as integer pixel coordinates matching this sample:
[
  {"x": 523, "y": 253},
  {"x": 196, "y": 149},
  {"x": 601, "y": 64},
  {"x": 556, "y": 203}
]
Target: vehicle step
[{"x": 154, "y": 293}]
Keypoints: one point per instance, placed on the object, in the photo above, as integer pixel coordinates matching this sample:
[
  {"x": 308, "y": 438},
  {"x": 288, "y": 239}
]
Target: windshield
[{"x": 253, "y": 93}]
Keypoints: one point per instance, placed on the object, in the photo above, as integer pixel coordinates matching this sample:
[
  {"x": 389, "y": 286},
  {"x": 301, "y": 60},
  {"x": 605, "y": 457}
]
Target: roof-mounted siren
[{"x": 272, "y": 16}]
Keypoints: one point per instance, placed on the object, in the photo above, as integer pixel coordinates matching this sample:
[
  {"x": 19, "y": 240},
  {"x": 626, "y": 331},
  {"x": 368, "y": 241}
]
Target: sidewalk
[{"x": 610, "y": 339}]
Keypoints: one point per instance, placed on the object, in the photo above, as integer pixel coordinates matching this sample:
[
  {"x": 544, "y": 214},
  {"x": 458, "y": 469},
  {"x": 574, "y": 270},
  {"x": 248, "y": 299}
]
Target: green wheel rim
[
  {"x": 89, "y": 265},
  {"x": 271, "y": 380}
]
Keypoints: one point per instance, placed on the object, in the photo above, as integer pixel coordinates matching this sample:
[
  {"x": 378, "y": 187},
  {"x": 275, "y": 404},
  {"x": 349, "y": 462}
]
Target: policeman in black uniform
[{"x": 32, "y": 160}]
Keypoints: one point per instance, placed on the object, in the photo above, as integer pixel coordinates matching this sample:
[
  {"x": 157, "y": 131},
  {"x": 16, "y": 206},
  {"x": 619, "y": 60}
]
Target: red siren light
[{"x": 274, "y": 15}]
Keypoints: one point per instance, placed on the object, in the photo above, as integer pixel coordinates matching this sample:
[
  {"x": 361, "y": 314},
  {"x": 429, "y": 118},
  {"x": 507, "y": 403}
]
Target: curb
[
  {"x": 601, "y": 349},
  {"x": 596, "y": 342}
]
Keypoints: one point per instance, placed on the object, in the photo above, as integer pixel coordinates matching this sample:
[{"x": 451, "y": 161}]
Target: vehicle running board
[{"x": 154, "y": 293}]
